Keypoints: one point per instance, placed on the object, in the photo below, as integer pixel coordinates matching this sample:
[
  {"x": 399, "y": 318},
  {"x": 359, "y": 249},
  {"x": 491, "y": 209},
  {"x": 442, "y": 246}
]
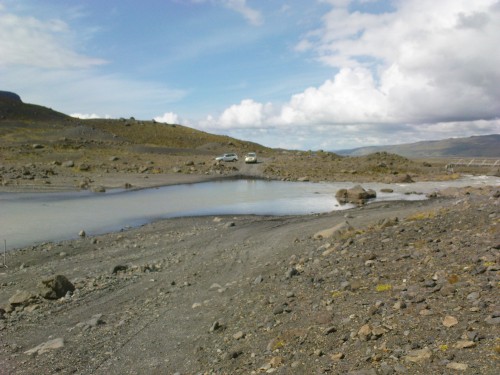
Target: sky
[{"x": 296, "y": 74}]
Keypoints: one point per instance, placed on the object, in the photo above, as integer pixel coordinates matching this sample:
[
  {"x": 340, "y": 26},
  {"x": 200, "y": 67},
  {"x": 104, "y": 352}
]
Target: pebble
[
  {"x": 46, "y": 347},
  {"x": 258, "y": 280},
  {"x": 419, "y": 355},
  {"x": 239, "y": 335},
  {"x": 465, "y": 344},
  {"x": 457, "y": 366},
  {"x": 450, "y": 321},
  {"x": 215, "y": 326},
  {"x": 291, "y": 272},
  {"x": 337, "y": 357}
]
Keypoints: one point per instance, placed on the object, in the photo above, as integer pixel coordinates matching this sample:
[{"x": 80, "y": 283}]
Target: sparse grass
[
  {"x": 383, "y": 287},
  {"x": 423, "y": 215}
]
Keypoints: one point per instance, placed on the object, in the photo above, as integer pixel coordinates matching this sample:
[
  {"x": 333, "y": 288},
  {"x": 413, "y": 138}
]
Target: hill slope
[{"x": 476, "y": 146}]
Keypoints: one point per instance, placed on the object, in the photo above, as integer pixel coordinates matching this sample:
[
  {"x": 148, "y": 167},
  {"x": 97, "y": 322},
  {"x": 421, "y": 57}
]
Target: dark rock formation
[{"x": 10, "y": 96}]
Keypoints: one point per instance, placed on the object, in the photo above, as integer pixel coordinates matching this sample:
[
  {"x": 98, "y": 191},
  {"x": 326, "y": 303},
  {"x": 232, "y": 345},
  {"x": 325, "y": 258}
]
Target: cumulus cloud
[
  {"x": 246, "y": 114},
  {"x": 425, "y": 69},
  {"x": 168, "y": 118}
]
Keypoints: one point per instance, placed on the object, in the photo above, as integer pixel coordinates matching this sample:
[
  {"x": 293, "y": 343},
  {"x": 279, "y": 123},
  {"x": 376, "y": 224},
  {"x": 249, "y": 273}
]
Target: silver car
[
  {"x": 251, "y": 157},
  {"x": 227, "y": 157}
]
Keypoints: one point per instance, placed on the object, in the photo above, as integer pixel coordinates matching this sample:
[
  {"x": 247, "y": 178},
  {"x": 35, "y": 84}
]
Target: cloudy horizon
[{"x": 333, "y": 74}]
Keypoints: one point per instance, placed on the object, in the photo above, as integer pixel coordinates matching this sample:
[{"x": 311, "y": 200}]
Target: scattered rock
[
  {"x": 238, "y": 335},
  {"x": 365, "y": 332},
  {"x": 22, "y": 297},
  {"x": 215, "y": 326},
  {"x": 258, "y": 280},
  {"x": 291, "y": 272},
  {"x": 406, "y": 179},
  {"x": 465, "y": 344},
  {"x": 93, "y": 322},
  {"x": 457, "y": 366},
  {"x": 450, "y": 321},
  {"x": 335, "y": 230},
  {"x": 419, "y": 355},
  {"x": 46, "y": 347},
  {"x": 337, "y": 357},
  {"x": 119, "y": 268},
  {"x": 98, "y": 189}
]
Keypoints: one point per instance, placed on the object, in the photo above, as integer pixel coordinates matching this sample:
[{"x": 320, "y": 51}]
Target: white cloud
[
  {"x": 240, "y": 6},
  {"x": 168, "y": 118},
  {"x": 253, "y": 16},
  {"x": 246, "y": 114},
  {"x": 425, "y": 70},
  {"x": 86, "y": 116},
  {"x": 29, "y": 41}
]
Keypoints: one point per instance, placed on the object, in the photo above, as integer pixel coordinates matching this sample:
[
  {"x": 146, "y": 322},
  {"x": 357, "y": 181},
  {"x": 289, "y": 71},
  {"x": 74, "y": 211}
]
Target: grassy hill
[
  {"x": 487, "y": 146},
  {"x": 21, "y": 122}
]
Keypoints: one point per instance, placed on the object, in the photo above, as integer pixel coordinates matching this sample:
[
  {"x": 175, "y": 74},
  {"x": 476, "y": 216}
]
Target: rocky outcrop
[{"x": 357, "y": 195}]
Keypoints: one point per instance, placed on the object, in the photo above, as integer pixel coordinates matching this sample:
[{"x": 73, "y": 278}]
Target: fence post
[{"x": 4, "y": 253}]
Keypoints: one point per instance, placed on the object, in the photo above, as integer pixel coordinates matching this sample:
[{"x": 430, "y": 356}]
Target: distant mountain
[{"x": 487, "y": 146}]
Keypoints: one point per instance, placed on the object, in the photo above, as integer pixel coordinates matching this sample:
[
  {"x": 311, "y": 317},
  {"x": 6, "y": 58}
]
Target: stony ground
[{"x": 403, "y": 288}]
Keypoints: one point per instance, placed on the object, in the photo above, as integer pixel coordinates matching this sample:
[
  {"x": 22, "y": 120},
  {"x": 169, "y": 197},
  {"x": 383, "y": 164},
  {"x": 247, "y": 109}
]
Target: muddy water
[{"x": 27, "y": 218}]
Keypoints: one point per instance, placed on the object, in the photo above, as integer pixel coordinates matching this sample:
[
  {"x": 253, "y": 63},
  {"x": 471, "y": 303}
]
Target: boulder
[
  {"x": 338, "y": 229},
  {"x": 405, "y": 179},
  {"x": 357, "y": 195},
  {"x": 55, "y": 287},
  {"x": 21, "y": 297}
]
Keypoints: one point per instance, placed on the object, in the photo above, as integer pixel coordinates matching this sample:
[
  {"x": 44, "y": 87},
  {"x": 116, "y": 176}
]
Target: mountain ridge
[{"x": 487, "y": 146}]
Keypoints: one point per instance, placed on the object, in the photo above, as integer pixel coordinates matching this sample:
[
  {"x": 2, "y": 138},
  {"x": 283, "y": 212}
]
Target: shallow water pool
[{"x": 27, "y": 218}]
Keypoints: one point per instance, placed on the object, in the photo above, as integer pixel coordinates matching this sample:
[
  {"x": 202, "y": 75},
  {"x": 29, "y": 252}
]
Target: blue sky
[{"x": 325, "y": 74}]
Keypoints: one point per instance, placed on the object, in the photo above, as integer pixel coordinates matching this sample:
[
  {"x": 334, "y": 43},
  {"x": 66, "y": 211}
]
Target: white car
[
  {"x": 251, "y": 157},
  {"x": 227, "y": 157}
]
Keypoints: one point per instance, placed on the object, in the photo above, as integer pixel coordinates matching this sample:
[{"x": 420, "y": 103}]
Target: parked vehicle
[
  {"x": 251, "y": 157},
  {"x": 227, "y": 157}
]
